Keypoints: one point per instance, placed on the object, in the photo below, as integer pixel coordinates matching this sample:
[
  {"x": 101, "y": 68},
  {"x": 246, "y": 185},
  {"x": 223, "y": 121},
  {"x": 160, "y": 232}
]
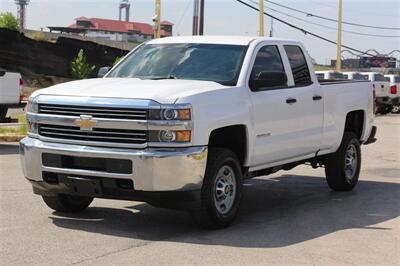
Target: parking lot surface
[{"x": 286, "y": 218}]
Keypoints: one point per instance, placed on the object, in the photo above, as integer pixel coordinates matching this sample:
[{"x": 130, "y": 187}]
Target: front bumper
[
  {"x": 383, "y": 101},
  {"x": 153, "y": 170}
]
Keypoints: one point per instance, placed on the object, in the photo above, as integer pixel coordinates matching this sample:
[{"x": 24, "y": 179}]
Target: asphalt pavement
[{"x": 286, "y": 218}]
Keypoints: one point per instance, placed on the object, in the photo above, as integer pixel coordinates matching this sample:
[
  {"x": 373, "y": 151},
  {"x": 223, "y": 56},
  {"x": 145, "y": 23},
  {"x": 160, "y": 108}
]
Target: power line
[
  {"x": 301, "y": 29},
  {"x": 373, "y": 50},
  {"x": 178, "y": 25},
  {"x": 352, "y": 10},
  {"x": 308, "y": 14},
  {"x": 332, "y": 28}
]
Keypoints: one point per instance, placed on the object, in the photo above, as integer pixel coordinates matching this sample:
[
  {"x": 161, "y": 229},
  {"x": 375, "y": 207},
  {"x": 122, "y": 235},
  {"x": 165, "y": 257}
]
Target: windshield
[
  {"x": 397, "y": 79},
  {"x": 210, "y": 62}
]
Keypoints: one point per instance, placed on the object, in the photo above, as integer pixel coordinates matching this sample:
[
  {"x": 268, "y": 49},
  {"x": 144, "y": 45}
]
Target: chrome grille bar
[
  {"x": 98, "y": 134},
  {"x": 96, "y": 112}
]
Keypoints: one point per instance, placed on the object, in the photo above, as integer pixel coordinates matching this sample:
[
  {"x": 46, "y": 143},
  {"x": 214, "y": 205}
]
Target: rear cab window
[
  {"x": 298, "y": 64},
  {"x": 379, "y": 77}
]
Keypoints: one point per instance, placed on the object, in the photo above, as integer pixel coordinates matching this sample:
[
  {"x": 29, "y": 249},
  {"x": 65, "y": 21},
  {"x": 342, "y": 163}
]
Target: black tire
[
  {"x": 396, "y": 109},
  {"x": 340, "y": 172},
  {"x": 3, "y": 113},
  {"x": 209, "y": 215},
  {"x": 385, "y": 110},
  {"x": 67, "y": 203}
]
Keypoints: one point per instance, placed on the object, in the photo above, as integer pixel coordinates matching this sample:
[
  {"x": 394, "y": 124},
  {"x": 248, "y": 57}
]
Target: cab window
[
  {"x": 268, "y": 65},
  {"x": 298, "y": 64}
]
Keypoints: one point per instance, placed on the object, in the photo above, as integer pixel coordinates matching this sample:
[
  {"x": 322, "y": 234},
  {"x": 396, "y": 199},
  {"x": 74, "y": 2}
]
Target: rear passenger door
[{"x": 287, "y": 119}]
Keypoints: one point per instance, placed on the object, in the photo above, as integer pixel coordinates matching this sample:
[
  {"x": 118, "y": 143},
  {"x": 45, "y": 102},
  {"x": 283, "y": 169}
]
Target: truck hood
[{"x": 162, "y": 91}]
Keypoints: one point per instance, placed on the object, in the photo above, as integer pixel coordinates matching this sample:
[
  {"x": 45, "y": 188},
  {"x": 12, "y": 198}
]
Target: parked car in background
[
  {"x": 382, "y": 92},
  {"x": 180, "y": 122},
  {"x": 354, "y": 76},
  {"x": 395, "y": 92},
  {"x": 11, "y": 91},
  {"x": 329, "y": 74}
]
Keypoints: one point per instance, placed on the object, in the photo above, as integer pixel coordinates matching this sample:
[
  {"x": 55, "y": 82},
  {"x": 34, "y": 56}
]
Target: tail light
[
  {"x": 21, "y": 90},
  {"x": 393, "y": 89},
  {"x": 374, "y": 101}
]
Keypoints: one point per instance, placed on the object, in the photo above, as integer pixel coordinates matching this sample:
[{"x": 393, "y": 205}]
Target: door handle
[
  {"x": 291, "y": 100},
  {"x": 317, "y": 97}
]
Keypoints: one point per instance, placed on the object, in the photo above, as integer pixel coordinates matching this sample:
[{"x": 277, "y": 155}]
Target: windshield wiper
[{"x": 160, "y": 78}]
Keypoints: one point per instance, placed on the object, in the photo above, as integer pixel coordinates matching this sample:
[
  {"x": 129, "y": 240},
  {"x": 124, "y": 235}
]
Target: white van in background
[
  {"x": 395, "y": 92},
  {"x": 11, "y": 91}
]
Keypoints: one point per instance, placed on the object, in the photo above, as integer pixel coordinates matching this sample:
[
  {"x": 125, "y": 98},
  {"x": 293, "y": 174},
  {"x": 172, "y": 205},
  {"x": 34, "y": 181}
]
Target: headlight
[
  {"x": 32, "y": 106},
  {"x": 178, "y": 136},
  {"x": 170, "y": 114}
]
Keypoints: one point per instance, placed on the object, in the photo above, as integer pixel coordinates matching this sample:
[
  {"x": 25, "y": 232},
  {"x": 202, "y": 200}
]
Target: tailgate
[{"x": 381, "y": 89}]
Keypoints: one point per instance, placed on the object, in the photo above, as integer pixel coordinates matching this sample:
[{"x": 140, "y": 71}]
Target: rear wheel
[
  {"x": 222, "y": 190},
  {"x": 3, "y": 113},
  {"x": 396, "y": 109},
  {"x": 342, "y": 168},
  {"x": 67, "y": 203}
]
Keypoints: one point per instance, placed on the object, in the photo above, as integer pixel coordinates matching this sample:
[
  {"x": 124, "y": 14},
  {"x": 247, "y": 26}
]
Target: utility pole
[
  {"x": 339, "y": 39},
  {"x": 201, "y": 19},
  {"x": 261, "y": 27},
  {"x": 157, "y": 20},
  {"x": 271, "y": 32},
  {"x": 195, "y": 17}
]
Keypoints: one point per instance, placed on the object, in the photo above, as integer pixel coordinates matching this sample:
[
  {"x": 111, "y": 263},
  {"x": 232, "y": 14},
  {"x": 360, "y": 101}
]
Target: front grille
[
  {"x": 95, "y": 112},
  {"x": 108, "y": 165},
  {"x": 97, "y": 135}
]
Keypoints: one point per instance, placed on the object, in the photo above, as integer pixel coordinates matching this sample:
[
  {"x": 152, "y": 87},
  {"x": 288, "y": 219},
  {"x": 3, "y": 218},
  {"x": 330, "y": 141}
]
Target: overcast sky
[{"x": 224, "y": 17}]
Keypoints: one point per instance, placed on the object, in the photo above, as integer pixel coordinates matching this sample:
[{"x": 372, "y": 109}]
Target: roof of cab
[{"x": 228, "y": 40}]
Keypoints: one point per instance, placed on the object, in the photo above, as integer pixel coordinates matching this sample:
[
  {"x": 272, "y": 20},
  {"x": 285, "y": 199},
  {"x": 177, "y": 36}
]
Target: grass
[{"x": 20, "y": 130}]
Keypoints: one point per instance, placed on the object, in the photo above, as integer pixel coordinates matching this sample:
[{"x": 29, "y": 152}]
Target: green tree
[
  {"x": 117, "y": 59},
  {"x": 9, "y": 21},
  {"x": 79, "y": 68}
]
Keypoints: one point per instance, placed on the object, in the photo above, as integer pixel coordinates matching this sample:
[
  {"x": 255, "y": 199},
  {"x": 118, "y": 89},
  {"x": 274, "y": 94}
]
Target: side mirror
[
  {"x": 103, "y": 71},
  {"x": 266, "y": 79}
]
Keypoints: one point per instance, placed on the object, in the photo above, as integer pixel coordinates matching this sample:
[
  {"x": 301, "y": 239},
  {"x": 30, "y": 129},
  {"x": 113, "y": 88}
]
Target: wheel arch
[
  {"x": 355, "y": 122},
  {"x": 232, "y": 137}
]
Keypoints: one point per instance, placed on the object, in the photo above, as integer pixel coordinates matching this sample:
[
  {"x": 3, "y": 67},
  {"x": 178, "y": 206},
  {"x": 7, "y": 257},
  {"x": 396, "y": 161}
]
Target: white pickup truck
[
  {"x": 180, "y": 122},
  {"x": 11, "y": 91},
  {"x": 394, "y": 91},
  {"x": 383, "y": 93}
]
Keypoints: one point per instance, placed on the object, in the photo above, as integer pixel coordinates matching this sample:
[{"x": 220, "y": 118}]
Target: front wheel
[
  {"x": 342, "y": 168},
  {"x": 221, "y": 191},
  {"x": 67, "y": 203}
]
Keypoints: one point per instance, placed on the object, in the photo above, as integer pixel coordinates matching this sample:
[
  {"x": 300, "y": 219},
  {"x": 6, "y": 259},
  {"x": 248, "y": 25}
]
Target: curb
[{"x": 11, "y": 137}]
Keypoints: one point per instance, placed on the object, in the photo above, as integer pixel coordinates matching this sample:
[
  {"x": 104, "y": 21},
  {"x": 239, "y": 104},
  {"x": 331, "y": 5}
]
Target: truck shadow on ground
[
  {"x": 9, "y": 149},
  {"x": 276, "y": 212}
]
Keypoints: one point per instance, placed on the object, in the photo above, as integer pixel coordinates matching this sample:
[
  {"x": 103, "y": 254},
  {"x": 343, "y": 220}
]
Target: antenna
[
  {"x": 22, "y": 12},
  {"x": 124, "y": 4}
]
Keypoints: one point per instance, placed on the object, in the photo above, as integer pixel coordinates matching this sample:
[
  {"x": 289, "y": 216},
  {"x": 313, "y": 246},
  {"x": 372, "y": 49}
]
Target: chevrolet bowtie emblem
[{"x": 85, "y": 122}]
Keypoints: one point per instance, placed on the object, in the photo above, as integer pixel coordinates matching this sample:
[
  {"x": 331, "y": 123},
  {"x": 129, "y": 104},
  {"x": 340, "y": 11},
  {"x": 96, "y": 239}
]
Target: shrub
[
  {"x": 79, "y": 68},
  {"x": 116, "y": 60},
  {"x": 38, "y": 36},
  {"x": 9, "y": 21}
]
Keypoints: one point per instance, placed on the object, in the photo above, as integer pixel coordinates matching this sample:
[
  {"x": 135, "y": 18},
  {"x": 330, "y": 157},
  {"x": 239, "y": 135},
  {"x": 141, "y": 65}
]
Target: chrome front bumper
[{"x": 178, "y": 169}]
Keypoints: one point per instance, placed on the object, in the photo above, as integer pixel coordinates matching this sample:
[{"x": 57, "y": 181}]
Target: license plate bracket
[{"x": 83, "y": 186}]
